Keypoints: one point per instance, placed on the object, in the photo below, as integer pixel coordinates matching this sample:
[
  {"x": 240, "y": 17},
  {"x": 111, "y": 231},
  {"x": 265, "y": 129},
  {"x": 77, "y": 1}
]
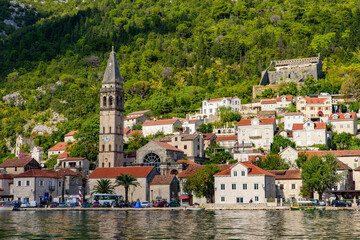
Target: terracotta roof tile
[
  {"x": 288, "y": 98},
  {"x": 341, "y": 116},
  {"x": 167, "y": 146},
  {"x": 286, "y": 174},
  {"x": 208, "y": 136},
  {"x": 191, "y": 170},
  {"x": 227, "y": 138},
  {"x": 59, "y": 146},
  {"x": 72, "y": 133},
  {"x": 268, "y": 101},
  {"x": 343, "y": 166},
  {"x": 160, "y": 122},
  {"x": 135, "y": 131},
  {"x": 139, "y": 112},
  {"x": 162, "y": 179},
  {"x": 138, "y": 172},
  {"x": 132, "y": 117},
  {"x": 320, "y": 125},
  {"x": 17, "y": 162},
  {"x": 338, "y": 153},
  {"x": 39, "y": 173},
  {"x": 39, "y": 148},
  {"x": 262, "y": 121},
  {"x": 315, "y": 100},
  {"x": 6, "y": 176},
  {"x": 255, "y": 158},
  {"x": 253, "y": 170},
  {"x": 66, "y": 172},
  {"x": 298, "y": 126},
  {"x": 188, "y": 162},
  {"x": 127, "y": 131},
  {"x": 63, "y": 155}
]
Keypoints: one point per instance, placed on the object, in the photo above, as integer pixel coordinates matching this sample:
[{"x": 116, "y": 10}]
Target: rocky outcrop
[{"x": 14, "y": 99}]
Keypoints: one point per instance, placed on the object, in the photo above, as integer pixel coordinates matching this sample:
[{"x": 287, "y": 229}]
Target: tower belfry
[{"x": 111, "y": 145}]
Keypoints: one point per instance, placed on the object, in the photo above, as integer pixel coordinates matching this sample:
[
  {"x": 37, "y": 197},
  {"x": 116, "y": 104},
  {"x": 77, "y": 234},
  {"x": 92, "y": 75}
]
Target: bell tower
[{"x": 111, "y": 116}]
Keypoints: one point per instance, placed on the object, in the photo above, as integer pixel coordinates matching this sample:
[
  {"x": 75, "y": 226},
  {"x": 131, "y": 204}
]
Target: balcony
[{"x": 255, "y": 135}]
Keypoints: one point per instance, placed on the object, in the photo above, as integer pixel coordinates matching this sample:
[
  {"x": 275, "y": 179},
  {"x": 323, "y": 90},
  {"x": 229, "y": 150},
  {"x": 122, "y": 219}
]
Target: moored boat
[
  {"x": 6, "y": 206},
  {"x": 303, "y": 205},
  {"x": 195, "y": 209}
]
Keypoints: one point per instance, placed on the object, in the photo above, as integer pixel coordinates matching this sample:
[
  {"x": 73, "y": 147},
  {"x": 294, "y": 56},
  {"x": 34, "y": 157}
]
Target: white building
[
  {"x": 278, "y": 104},
  {"x": 309, "y": 134},
  {"x": 344, "y": 122},
  {"x": 244, "y": 183},
  {"x": 70, "y": 136},
  {"x": 256, "y": 132},
  {"x": 37, "y": 153},
  {"x": 166, "y": 126},
  {"x": 130, "y": 121},
  {"x": 211, "y": 106},
  {"x": 192, "y": 126},
  {"x": 291, "y": 118},
  {"x": 58, "y": 148}
]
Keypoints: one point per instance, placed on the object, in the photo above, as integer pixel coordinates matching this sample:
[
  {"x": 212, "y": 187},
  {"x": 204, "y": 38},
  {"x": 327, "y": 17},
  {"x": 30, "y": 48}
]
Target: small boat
[
  {"x": 6, "y": 206},
  {"x": 195, "y": 209},
  {"x": 303, "y": 205}
]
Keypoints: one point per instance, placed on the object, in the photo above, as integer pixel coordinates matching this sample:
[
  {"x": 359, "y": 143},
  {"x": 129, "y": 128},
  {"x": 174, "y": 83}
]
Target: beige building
[
  {"x": 192, "y": 126},
  {"x": 309, "y": 134},
  {"x": 224, "y": 131},
  {"x": 37, "y": 185},
  {"x": 292, "y": 118},
  {"x": 290, "y": 155},
  {"x": 256, "y": 132},
  {"x": 209, "y": 139},
  {"x": 166, "y": 126},
  {"x": 59, "y": 148},
  {"x": 70, "y": 136},
  {"x": 130, "y": 121},
  {"x": 6, "y": 185},
  {"x": 279, "y": 104},
  {"x": 164, "y": 187},
  {"x": 315, "y": 107},
  {"x": 190, "y": 144},
  {"x": 70, "y": 183},
  {"x": 344, "y": 122},
  {"x": 228, "y": 142},
  {"x": 37, "y": 153},
  {"x": 76, "y": 164},
  {"x": 288, "y": 184},
  {"x": 143, "y": 175},
  {"x": 244, "y": 183},
  {"x": 140, "y": 113},
  {"x": 19, "y": 165}
]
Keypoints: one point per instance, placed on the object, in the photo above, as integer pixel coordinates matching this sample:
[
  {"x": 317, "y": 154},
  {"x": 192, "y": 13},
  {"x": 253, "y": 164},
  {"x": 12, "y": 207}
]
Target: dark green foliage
[
  {"x": 126, "y": 181},
  {"x": 206, "y": 128},
  {"x": 103, "y": 186},
  {"x": 280, "y": 142},
  {"x": 219, "y": 157},
  {"x": 272, "y": 162}
]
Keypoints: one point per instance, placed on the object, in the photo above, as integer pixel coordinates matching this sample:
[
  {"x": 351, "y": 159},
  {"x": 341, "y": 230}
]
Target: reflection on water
[{"x": 180, "y": 225}]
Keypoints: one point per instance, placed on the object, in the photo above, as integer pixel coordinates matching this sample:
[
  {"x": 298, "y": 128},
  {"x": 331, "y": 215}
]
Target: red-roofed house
[
  {"x": 292, "y": 118},
  {"x": 244, "y": 182},
  {"x": 166, "y": 126},
  {"x": 130, "y": 121},
  {"x": 309, "y": 134},
  {"x": 143, "y": 175},
  {"x": 58, "y": 148},
  {"x": 37, "y": 153},
  {"x": 256, "y": 132},
  {"x": 19, "y": 165},
  {"x": 69, "y": 137},
  {"x": 228, "y": 142},
  {"x": 209, "y": 139},
  {"x": 277, "y": 104},
  {"x": 344, "y": 122},
  {"x": 6, "y": 181},
  {"x": 315, "y": 107},
  {"x": 164, "y": 187},
  {"x": 288, "y": 184},
  {"x": 36, "y": 185},
  {"x": 74, "y": 163},
  {"x": 192, "y": 126},
  {"x": 162, "y": 155}
]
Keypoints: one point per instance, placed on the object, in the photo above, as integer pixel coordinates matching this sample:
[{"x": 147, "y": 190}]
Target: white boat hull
[{"x": 6, "y": 208}]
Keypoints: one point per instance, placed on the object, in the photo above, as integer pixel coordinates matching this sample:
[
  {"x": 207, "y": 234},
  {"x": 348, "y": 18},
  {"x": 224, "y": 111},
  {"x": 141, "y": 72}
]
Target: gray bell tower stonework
[{"x": 111, "y": 116}]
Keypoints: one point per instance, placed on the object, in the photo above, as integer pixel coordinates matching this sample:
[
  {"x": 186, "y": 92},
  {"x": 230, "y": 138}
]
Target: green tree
[
  {"x": 136, "y": 141},
  {"x": 50, "y": 164},
  {"x": 302, "y": 158},
  {"x": 227, "y": 115},
  {"x": 319, "y": 174},
  {"x": 273, "y": 162},
  {"x": 219, "y": 157},
  {"x": 280, "y": 142},
  {"x": 202, "y": 182},
  {"x": 206, "y": 128},
  {"x": 126, "y": 181},
  {"x": 103, "y": 186},
  {"x": 342, "y": 140}
]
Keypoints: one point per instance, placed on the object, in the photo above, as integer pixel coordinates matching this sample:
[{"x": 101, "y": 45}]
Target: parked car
[
  {"x": 338, "y": 203},
  {"x": 53, "y": 204},
  {"x": 160, "y": 204},
  {"x": 124, "y": 204},
  {"x": 106, "y": 204},
  {"x": 17, "y": 203},
  {"x": 43, "y": 203},
  {"x": 86, "y": 205},
  {"x": 173, "y": 204},
  {"x": 321, "y": 203},
  {"x": 145, "y": 204},
  {"x": 63, "y": 205},
  {"x": 96, "y": 204},
  {"x": 34, "y": 204},
  {"x": 25, "y": 205}
]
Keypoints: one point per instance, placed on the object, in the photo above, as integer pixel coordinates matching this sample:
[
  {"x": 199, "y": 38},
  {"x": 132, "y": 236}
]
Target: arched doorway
[{"x": 174, "y": 172}]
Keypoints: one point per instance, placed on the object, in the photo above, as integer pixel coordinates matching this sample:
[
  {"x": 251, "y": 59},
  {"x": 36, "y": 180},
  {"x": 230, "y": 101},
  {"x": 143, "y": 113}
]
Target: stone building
[
  {"x": 164, "y": 187},
  {"x": 20, "y": 141},
  {"x": 315, "y": 107},
  {"x": 130, "y": 121},
  {"x": 6, "y": 183},
  {"x": 344, "y": 122},
  {"x": 19, "y": 165},
  {"x": 165, "y": 126},
  {"x": 69, "y": 182},
  {"x": 309, "y": 133},
  {"x": 76, "y": 164},
  {"x": 192, "y": 126},
  {"x": 111, "y": 144},
  {"x": 291, "y": 118},
  {"x": 228, "y": 142},
  {"x": 37, "y": 153},
  {"x": 69, "y": 137},
  {"x": 161, "y": 155},
  {"x": 293, "y": 70},
  {"x": 279, "y": 104},
  {"x": 209, "y": 139},
  {"x": 288, "y": 184}
]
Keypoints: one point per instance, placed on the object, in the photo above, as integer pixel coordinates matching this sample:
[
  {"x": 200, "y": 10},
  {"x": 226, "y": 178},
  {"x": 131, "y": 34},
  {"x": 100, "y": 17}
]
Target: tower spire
[{"x": 112, "y": 72}]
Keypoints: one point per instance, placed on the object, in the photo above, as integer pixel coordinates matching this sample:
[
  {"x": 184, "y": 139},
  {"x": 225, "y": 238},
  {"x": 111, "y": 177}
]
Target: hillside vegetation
[{"x": 172, "y": 53}]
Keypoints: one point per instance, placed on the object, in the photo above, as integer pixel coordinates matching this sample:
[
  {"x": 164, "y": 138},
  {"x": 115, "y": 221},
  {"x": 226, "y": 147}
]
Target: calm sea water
[{"x": 180, "y": 225}]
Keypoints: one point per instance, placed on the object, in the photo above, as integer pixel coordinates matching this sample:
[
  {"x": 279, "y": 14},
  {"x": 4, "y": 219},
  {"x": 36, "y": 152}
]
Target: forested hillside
[{"x": 172, "y": 53}]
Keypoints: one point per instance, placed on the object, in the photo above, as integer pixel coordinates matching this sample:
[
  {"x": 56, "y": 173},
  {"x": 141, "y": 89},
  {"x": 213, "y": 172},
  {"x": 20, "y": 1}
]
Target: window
[
  {"x": 235, "y": 173},
  {"x": 19, "y": 183},
  {"x": 175, "y": 139},
  {"x": 59, "y": 184},
  {"x": 244, "y": 186},
  {"x": 109, "y": 129},
  {"x": 256, "y": 186},
  {"x": 242, "y": 173},
  {"x": 222, "y": 186},
  {"x": 293, "y": 186},
  {"x": 239, "y": 200},
  {"x": 103, "y": 148},
  {"x": 210, "y": 110},
  {"x": 348, "y": 126},
  {"x": 222, "y": 199},
  {"x": 27, "y": 183},
  {"x": 282, "y": 186},
  {"x": 256, "y": 198},
  {"x": 41, "y": 183},
  {"x": 103, "y": 129},
  {"x": 233, "y": 186},
  {"x": 341, "y": 126},
  {"x": 15, "y": 169},
  {"x": 109, "y": 148},
  {"x": 185, "y": 146}
]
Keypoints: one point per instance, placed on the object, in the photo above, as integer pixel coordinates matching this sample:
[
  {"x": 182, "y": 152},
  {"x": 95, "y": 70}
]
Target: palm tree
[
  {"x": 126, "y": 180},
  {"x": 103, "y": 186}
]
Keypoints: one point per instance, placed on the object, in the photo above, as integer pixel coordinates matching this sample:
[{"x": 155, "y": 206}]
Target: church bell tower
[{"x": 111, "y": 116}]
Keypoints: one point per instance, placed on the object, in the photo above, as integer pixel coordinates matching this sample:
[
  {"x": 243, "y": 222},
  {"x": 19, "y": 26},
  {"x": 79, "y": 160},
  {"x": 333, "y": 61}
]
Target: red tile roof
[
  {"x": 66, "y": 172},
  {"x": 343, "y": 166},
  {"x": 39, "y": 148},
  {"x": 139, "y": 112},
  {"x": 127, "y": 131},
  {"x": 160, "y": 122},
  {"x": 286, "y": 174},
  {"x": 73, "y": 159},
  {"x": 219, "y": 99},
  {"x": 253, "y": 158},
  {"x": 167, "y": 146},
  {"x": 227, "y": 138},
  {"x": 17, "y": 162},
  {"x": 63, "y": 155},
  {"x": 252, "y": 170},
  {"x": 208, "y": 136},
  {"x": 191, "y": 170},
  {"x": 268, "y": 101},
  {"x": 338, "y": 153},
  {"x": 138, "y": 172},
  {"x": 162, "y": 179},
  {"x": 262, "y": 121},
  {"x": 39, "y": 173},
  {"x": 288, "y": 98},
  {"x": 72, "y": 133},
  {"x": 132, "y": 117},
  {"x": 341, "y": 116},
  {"x": 320, "y": 125},
  {"x": 188, "y": 162},
  {"x": 59, "y": 146},
  {"x": 135, "y": 131},
  {"x": 315, "y": 100},
  {"x": 6, "y": 176},
  {"x": 298, "y": 126}
]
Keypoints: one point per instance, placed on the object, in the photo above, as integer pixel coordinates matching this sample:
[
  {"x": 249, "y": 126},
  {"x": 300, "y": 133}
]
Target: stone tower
[{"x": 111, "y": 116}]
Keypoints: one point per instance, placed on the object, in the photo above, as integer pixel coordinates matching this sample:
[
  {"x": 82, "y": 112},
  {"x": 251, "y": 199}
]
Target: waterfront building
[
  {"x": 143, "y": 175},
  {"x": 111, "y": 144},
  {"x": 19, "y": 165},
  {"x": 244, "y": 182},
  {"x": 164, "y": 187},
  {"x": 70, "y": 183},
  {"x": 288, "y": 184},
  {"x": 6, "y": 186}
]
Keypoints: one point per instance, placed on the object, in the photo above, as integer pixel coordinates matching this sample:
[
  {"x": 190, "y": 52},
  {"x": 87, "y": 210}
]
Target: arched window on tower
[
  {"x": 103, "y": 165},
  {"x": 104, "y": 101},
  {"x": 110, "y": 101},
  {"x": 117, "y": 101},
  {"x": 103, "y": 129},
  {"x": 109, "y": 129},
  {"x": 109, "y": 148},
  {"x": 109, "y": 165}
]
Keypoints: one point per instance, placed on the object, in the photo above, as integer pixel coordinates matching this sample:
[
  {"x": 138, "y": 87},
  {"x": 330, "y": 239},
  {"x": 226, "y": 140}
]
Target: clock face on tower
[{"x": 106, "y": 138}]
